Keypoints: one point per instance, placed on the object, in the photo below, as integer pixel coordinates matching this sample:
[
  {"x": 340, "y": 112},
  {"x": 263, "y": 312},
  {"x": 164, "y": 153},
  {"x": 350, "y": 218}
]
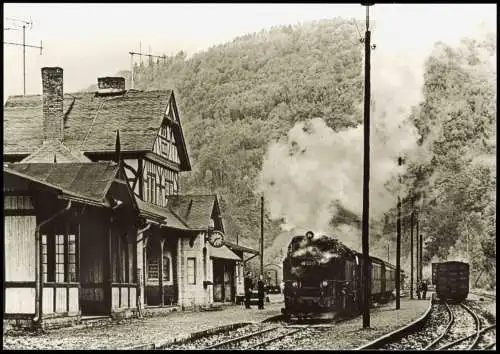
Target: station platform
[{"x": 155, "y": 331}]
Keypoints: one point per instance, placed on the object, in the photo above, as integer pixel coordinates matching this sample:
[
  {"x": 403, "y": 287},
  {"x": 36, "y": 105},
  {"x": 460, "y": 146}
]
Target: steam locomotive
[{"x": 322, "y": 278}]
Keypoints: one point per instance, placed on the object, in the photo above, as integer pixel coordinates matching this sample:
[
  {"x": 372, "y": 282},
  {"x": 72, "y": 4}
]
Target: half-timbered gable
[{"x": 151, "y": 137}]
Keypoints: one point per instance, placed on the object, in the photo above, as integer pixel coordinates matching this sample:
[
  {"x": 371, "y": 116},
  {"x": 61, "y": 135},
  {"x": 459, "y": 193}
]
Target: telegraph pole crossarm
[
  {"x": 26, "y": 45},
  {"x": 147, "y": 55},
  {"x": 140, "y": 54}
]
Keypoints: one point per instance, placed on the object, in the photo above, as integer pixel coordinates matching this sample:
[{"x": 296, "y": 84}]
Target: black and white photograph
[{"x": 249, "y": 176}]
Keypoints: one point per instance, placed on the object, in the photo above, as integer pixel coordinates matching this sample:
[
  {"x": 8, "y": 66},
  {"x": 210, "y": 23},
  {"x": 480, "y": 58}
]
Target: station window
[
  {"x": 191, "y": 270},
  {"x": 121, "y": 259},
  {"x": 166, "y": 268},
  {"x": 154, "y": 268},
  {"x": 59, "y": 255}
]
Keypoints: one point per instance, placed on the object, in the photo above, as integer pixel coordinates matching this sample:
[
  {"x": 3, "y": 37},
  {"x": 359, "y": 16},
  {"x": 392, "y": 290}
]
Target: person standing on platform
[
  {"x": 248, "y": 289},
  {"x": 424, "y": 289},
  {"x": 260, "y": 289}
]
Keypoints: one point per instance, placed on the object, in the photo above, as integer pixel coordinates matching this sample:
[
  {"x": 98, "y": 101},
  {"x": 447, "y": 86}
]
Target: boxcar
[{"x": 451, "y": 280}]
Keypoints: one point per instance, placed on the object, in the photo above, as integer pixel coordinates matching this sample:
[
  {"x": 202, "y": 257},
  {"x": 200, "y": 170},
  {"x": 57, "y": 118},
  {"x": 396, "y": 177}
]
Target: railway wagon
[
  {"x": 271, "y": 282},
  {"x": 383, "y": 279},
  {"x": 451, "y": 280},
  {"x": 323, "y": 276}
]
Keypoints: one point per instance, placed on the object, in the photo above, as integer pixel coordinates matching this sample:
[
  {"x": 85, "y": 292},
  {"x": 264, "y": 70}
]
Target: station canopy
[{"x": 223, "y": 252}]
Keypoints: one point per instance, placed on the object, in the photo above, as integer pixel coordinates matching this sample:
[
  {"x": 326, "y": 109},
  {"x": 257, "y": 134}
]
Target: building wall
[
  {"x": 192, "y": 295},
  {"x": 19, "y": 256}
]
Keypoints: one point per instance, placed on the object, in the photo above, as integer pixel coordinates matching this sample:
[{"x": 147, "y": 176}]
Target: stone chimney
[
  {"x": 110, "y": 85},
  {"x": 52, "y": 93}
]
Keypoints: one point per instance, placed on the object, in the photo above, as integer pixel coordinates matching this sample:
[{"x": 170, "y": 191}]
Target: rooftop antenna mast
[
  {"x": 141, "y": 55},
  {"x": 17, "y": 25}
]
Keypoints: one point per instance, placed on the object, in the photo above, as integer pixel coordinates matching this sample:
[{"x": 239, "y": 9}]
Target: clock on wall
[{"x": 216, "y": 239}]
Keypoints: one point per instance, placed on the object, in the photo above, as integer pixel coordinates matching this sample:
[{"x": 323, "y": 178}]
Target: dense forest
[{"x": 278, "y": 99}]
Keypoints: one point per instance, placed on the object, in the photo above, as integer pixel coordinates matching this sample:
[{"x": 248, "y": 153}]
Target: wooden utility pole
[
  {"x": 366, "y": 176},
  {"x": 398, "y": 249},
  {"x": 421, "y": 258},
  {"x": 417, "y": 251},
  {"x": 262, "y": 235},
  {"x": 411, "y": 248}
]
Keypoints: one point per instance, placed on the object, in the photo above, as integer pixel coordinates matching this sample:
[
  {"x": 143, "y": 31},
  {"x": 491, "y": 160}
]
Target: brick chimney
[
  {"x": 110, "y": 85},
  {"x": 52, "y": 93}
]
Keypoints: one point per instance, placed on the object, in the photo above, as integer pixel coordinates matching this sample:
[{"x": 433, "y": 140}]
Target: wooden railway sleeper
[
  {"x": 229, "y": 341},
  {"x": 277, "y": 337}
]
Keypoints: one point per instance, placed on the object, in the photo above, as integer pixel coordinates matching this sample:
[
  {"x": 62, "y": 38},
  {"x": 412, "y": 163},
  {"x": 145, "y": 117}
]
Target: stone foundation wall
[{"x": 159, "y": 311}]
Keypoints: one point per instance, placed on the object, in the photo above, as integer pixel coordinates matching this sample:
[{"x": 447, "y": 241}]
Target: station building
[{"x": 121, "y": 238}]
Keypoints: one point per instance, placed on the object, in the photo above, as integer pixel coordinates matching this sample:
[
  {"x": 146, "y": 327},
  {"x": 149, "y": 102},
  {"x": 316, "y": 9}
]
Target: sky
[{"x": 92, "y": 40}]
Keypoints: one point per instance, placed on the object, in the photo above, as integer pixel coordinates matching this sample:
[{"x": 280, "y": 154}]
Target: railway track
[
  {"x": 448, "y": 327},
  {"x": 258, "y": 339},
  {"x": 484, "y": 295},
  {"x": 273, "y": 333},
  {"x": 463, "y": 333}
]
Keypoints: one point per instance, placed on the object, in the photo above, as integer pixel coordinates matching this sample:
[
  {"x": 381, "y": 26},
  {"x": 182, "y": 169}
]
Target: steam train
[
  {"x": 323, "y": 278},
  {"x": 451, "y": 280}
]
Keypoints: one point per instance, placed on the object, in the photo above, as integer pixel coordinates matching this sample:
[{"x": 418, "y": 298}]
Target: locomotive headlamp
[
  {"x": 295, "y": 284},
  {"x": 309, "y": 235},
  {"x": 324, "y": 283}
]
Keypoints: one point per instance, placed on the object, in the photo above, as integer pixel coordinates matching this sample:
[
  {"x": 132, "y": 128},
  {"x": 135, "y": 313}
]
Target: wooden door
[
  {"x": 93, "y": 297},
  {"x": 218, "y": 277},
  {"x": 228, "y": 282}
]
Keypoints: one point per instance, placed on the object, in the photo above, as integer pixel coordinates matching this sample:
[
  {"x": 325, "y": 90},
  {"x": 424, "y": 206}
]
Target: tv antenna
[
  {"x": 17, "y": 25},
  {"x": 140, "y": 54}
]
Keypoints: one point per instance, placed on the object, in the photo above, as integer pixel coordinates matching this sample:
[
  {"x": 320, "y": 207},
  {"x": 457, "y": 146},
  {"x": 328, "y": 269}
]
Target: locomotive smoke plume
[
  {"x": 307, "y": 250},
  {"x": 315, "y": 170}
]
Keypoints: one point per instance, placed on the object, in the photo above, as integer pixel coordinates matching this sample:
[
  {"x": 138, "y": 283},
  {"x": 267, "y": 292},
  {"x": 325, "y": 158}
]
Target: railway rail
[
  {"x": 272, "y": 333},
  {"x": 258, "y": 339},
  {"x": 463, "y": 333},
  {"x": 447, "y": 327},
  {"x": 484, "y": 295}
]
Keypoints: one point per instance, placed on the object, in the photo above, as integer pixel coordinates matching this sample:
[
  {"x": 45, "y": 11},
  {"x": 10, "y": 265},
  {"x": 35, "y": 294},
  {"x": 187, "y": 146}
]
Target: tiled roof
[
  {"x": 194, "y": 210},
  {"x": 89, "y": 181},
  {"x": 51, "y": 149},
  {"x": 236, "y": 247},
  {"x": 223, "y": 252},
  {"x": 90, "y": 122},
  {"x": 160, "y": 214}
]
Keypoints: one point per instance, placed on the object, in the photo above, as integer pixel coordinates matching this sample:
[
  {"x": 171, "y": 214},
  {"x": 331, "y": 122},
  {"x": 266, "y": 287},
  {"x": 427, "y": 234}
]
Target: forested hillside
[
  {"x": 237, "y": 98},
  {"x": 458, "y": 183}
]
